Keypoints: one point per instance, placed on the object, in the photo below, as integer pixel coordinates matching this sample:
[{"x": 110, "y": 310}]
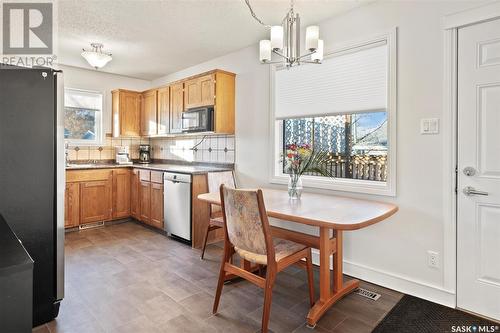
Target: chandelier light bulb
[
  {"x": 312, "y": 37},
  {"x": 276, "y": 37},
  {"x": 265, "y": 50},
  {"x": 318, "y": 55}
]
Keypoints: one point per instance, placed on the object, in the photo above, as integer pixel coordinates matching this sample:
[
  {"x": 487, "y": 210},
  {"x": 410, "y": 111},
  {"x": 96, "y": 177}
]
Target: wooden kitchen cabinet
[
  {"x": 72, "y": 205},
  {"x": 88, "y": 196},
  {"x": 217, "y": 89},
  {"x": 176, "y": 107},
  {"x": 149, "y": 113},
  {"x": 145, "y": 175},
  {"x": 156, "y": 212},
  {"x": 159, "y": 111},
  {"x": 163, "y": 112},
  {"x": 199, "y": 91},
  {"x": 96, "y": 201},
  {"x": 225, "y": 93},
  {"x": 144, "y": 201},
  {"x": 126, "y": 113},
  {"x": 111, "y": 194},
  {"x": 108, "y": 194},
  {"x": 121, "y": 193},
  {"x": 150, "y": 197},
  {"x": 134, "y": 194}
]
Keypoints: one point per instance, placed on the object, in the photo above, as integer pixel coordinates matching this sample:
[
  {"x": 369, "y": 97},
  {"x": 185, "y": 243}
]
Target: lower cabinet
[
  {"x": 95, "y": 201},
  {"x": 149, "y": 197},
  {"x": 72, "y": 205},
  {"x": 145, "y": 201},
  {"x": 90, "y": 196},
  {"x": 134, "y": 194},
  {"x": 110, "y": 194},
  {"x": 121, "y": 193},
  {"x": 156, "y": 214}
]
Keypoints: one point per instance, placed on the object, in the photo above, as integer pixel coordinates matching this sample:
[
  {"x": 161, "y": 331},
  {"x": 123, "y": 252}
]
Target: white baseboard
[{"x": 396, "y": 282}]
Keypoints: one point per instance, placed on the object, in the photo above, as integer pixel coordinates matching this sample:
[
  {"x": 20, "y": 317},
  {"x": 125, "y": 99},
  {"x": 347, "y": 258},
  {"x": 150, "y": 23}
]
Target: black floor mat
[{"x": 415, "y": 315}]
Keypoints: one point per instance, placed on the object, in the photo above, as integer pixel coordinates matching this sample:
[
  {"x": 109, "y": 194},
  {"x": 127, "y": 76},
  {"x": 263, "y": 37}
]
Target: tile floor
[{"x": 128, "y": 278}]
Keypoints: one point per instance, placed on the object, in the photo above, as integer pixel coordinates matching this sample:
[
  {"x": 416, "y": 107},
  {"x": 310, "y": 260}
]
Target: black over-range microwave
[{"x": 198, "y": 120}]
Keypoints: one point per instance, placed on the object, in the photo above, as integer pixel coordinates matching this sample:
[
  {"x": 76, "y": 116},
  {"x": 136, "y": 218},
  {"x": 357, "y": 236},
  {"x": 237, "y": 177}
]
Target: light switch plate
[{"x": 429, "y": 126}]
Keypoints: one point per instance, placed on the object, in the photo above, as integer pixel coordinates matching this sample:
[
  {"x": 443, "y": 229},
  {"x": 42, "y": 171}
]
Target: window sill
[
  {"x": 341, "y": 184},
  {"x": 83, "y": 143}
]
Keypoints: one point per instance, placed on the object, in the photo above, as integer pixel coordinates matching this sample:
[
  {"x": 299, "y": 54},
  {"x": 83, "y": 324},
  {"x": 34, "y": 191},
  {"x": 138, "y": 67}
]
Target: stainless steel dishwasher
[{"x": 177, "y": 205}]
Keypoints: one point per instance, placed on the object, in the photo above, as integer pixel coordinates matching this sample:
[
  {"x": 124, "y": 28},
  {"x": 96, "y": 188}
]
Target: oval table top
[{"x": 331, "y": 211}]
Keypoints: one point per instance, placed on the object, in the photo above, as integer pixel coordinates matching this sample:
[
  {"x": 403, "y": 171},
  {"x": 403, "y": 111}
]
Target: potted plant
[{"x": 300, "y": 159}]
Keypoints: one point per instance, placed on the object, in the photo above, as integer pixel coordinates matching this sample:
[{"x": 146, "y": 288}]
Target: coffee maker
[
  {"x": 122, "y": 155},
  {"x": 144, "y": 154}
]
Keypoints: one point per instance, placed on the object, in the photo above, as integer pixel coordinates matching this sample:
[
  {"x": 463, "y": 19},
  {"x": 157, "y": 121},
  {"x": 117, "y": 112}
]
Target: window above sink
[{"x": 82, "y": 116}]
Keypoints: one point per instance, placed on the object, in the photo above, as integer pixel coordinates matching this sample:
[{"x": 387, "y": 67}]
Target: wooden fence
[{"x": 367, "y": 167}]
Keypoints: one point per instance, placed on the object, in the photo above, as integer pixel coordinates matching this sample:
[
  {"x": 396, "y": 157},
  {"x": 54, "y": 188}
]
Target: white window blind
[
  {"x": 79, "y": 99},
  {"x": 351, "y": 82}
]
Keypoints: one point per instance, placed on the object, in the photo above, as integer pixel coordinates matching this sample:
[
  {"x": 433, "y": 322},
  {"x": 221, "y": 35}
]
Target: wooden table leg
[
  {"x": 337, "y": 263},
  {"x": 326, "y": 297},
  {"x": 324, "y": 264}
]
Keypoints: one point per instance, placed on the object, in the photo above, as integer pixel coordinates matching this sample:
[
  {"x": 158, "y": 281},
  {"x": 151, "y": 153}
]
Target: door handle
[{"x": 469, "y": 190}]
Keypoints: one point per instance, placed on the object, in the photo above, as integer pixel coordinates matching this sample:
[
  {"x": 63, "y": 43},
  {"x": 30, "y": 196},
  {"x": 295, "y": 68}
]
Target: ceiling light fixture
[
  {"x": 285, "y": 41},
  {"x": 96, "y": 58}
]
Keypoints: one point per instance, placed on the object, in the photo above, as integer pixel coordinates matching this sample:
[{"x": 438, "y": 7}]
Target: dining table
[{"x": 332, "y": 215}]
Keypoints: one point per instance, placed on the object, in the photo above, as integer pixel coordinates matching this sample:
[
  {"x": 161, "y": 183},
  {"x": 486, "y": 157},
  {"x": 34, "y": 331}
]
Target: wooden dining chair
[
  {"x": 247, "y": 232},
  {"x": 215, "y": 180}
]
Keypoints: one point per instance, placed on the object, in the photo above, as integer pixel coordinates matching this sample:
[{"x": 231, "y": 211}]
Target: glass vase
[{"x": 294, "y": 187}]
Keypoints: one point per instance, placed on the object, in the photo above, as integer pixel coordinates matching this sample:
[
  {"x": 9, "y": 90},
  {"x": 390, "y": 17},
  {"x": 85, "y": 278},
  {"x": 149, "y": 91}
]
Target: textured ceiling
[{"x": 149, "y": 39}]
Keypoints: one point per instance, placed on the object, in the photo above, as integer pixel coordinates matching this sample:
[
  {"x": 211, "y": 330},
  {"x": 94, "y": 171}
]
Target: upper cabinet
[
  {"x": 126, "y": 113},
  {"x": 217, "y": 89},
  {"x": 199, "y": 91},
  {"x": 224, "y": 107},
  {"x": 163, "y": 115},
  {"x": 149, "y": 113},
  {"x": 176, "y": 107},
  {"x": 159, "y": 111}
]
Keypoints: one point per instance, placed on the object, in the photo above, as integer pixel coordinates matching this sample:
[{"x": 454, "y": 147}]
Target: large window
[
  {"x": 357, "y": 143},
  {"x": 346, "y": 107},
  {"x": 82, "y": 116}
]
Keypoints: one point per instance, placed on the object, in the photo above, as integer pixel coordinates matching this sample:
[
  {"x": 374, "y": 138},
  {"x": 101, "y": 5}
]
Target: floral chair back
[{"x": 245, "y": 226}]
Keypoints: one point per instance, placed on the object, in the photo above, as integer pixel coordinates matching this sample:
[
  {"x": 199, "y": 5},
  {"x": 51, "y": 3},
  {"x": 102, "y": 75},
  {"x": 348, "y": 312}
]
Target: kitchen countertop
[{"x": 180, "y": 168}]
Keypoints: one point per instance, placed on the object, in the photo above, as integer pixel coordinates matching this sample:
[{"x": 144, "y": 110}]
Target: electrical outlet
[{"x": 433, "y": 259}]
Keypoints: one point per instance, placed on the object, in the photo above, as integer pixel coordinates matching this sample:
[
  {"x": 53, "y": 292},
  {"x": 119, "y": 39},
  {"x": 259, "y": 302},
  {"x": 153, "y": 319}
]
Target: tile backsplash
[
  {"x": 105, "y": 151},
  {"x": 211, "y": 149}
]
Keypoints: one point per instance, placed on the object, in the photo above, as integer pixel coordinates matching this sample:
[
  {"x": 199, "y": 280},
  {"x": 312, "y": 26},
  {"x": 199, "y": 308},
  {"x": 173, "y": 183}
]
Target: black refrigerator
[{"x": 32, "y": 175}]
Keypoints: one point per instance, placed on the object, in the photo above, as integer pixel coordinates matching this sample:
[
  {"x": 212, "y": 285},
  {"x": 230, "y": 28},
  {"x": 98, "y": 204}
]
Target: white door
[{"x": 478, "y": 229}]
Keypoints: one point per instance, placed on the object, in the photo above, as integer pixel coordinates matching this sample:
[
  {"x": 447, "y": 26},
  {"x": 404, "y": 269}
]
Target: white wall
[
  {"x": 89, "y": 79},
  {"x": 394, "y": 252}
]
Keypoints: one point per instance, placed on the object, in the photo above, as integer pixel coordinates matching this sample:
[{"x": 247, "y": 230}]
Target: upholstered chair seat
[{"x": 282, "y": 249}]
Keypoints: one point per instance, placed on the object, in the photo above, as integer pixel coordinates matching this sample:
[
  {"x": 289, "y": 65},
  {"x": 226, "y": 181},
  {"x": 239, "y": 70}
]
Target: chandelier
[
  {"x": 285, "y": 41},
  {"x": 96, "y": 58}
]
